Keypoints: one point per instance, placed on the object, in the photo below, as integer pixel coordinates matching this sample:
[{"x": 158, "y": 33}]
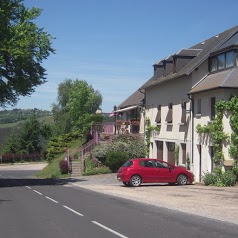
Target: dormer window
[
  {"x": 222, "y": 61},
  {"x": 229, "y": 59}
]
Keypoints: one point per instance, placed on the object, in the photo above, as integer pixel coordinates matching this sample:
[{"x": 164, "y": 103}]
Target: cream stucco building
[{"x": 182, "y": 93}]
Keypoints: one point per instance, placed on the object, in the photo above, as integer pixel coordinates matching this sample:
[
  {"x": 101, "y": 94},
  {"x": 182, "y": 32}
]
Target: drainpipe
[
  {"x": 192, "y": 126},
  {"x": 143, "y": 109}
]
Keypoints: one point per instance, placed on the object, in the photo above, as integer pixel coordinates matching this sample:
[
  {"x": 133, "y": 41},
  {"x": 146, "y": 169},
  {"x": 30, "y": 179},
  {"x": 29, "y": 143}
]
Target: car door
[
  {"x": 163, "y": 172},
  {"x": 148, "y": 171}
]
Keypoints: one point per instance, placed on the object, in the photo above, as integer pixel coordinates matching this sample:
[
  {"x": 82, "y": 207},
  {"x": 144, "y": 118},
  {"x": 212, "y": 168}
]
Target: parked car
[{"x": 143, "y": 170}]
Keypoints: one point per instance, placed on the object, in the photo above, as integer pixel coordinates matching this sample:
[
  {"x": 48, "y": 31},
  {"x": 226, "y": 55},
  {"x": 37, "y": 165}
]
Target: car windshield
[{"x": 127, "y": 163}]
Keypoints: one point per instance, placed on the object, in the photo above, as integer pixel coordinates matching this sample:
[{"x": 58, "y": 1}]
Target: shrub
[
  {"x": 209, "y": 179},
  {"x": 220, "y": 179},
  {"x": 115, "y": 159},
  {"x": 93, "y": 166},
  {"x": 228, "y": 179},
  {"x": 134, "y": 147},
  {"x": 64, "y": 167},
  {"x": 235, "y": 171}
]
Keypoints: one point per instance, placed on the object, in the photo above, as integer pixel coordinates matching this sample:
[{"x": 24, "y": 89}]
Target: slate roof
[
  {"x": 135, "y": 99},
  {"x": 223, "y": 79},
  {"x": 207, "y": 47}
]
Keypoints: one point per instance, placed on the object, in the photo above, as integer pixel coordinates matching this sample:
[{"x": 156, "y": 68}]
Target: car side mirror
[{"x": 171, "y": 168}]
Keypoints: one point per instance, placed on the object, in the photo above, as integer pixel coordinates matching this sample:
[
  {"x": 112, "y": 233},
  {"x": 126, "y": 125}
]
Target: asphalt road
[{"x": 46, "y": 208}]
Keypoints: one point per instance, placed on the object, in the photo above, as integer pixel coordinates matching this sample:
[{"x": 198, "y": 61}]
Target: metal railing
[{"x": 88, "y": 148}]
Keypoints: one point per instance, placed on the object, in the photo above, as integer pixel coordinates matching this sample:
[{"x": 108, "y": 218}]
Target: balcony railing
[{"x": 116, "y": 128}]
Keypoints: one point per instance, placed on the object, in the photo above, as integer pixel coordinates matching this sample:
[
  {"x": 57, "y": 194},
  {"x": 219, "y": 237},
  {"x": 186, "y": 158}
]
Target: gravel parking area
[{"x": 208, "y": 201}]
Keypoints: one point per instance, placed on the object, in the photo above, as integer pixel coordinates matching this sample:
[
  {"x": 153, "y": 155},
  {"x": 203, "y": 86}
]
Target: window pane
[
  {"x": 214, "y": 64},
  {"x": 213, "y": 112},
  {"x": 221, "y": 61},
  {"x": 229, "y": 59}
]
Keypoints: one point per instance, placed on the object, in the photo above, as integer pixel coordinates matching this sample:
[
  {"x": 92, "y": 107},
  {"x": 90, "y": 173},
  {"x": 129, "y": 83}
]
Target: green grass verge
[
  {"x": 52, "y": 170},
  {"x": 95, "y": 168}
]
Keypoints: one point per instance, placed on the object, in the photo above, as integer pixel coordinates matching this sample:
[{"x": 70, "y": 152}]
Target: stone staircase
[{"x": 76, "y": 166}]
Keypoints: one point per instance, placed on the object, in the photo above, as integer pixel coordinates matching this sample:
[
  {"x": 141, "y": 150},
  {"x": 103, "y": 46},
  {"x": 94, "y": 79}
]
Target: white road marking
[
  {"x": 51, "y": 199},
  {"x": 73, "y": 211},
  {"x": 28, "y": 187},
  {"x": 37, "y": 192},
  {"x": 112, "y": 231}
]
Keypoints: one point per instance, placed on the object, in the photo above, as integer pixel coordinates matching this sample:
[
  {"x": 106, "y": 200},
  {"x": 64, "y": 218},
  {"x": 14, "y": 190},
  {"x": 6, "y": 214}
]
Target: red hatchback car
[{"x": 136, "y": 171}]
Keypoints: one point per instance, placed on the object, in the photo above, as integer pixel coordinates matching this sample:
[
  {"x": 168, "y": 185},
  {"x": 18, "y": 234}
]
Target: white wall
[{"x": 203, "y": 119}]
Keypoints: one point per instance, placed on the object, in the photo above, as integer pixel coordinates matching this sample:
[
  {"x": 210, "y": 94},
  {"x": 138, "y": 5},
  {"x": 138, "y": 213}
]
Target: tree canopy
[
  {"x": 30, "y": 137},
  {"x": 77, "y": 104},
  {"x": 23, "y": 47}
]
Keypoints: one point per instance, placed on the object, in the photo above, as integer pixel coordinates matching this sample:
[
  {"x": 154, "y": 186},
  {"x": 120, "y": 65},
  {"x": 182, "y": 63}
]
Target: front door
[{"x": 171, "y": 149}]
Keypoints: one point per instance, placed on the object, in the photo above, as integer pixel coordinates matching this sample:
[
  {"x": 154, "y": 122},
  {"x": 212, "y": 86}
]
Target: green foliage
[
  {"x": 23, "y": 47},
  {"x": 203, "y": 129},
  {"x": 148, "y": 131},
  {"x": 83, "y": 99},
  {"x": 219, "y": 178},
  {"x": 56, "y": 145},
  {"x": 176, "y": 154},
  {"x": 215, "y": 129},
  {"x": 77, "y": 103},
  {"x": 227, "y": 179},
  {"x": 115, "y": 159},
  {"x": 85, "y": 121},
  {"x": 93, "y": 167},
  {"x": 209, "y": 179},
  {"x": 29, "y": 137},
  {"x": 235, "y": 171},
  {"x": 19, "y": 115},
  {"x": 52, "y": 170},
  {"x": 127, "y": 143}
]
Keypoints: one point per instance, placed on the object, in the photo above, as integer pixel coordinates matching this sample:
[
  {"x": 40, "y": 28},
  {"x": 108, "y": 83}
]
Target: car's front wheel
[
  {"x": 135, "y": 181},
  {"x": 182, "y": 179}
]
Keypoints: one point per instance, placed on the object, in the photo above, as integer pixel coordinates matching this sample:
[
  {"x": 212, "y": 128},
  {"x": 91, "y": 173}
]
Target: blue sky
[{"x": 113, "y": 44}]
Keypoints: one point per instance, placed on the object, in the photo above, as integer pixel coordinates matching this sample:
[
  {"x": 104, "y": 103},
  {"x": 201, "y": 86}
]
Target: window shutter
[
  {"x": 158, "y": 116},
  {"x": 169, "y": 117}
]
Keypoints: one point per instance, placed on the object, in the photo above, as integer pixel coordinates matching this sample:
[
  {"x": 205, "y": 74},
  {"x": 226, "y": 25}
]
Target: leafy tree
[
  {"x": 30, "y": 136},
  {"x": 28, "y": 139},
  {"x": 23, "y": 47},
  {"x": 83, "y": 99},
  {"x": 77, "y": 102},
  {"x": 60, "y": 110}
]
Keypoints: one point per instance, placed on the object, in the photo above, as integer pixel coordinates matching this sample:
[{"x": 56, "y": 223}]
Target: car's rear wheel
[
  {"x": 127, "y": 184},
  {"x": 135, "y": 181},
  {"x": 182, "y": 179}
]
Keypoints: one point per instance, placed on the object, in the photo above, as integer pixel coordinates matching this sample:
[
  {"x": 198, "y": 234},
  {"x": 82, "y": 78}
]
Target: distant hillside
[
  {"x": 11, "y": 120},
  {"x": 17, "y": 115}
]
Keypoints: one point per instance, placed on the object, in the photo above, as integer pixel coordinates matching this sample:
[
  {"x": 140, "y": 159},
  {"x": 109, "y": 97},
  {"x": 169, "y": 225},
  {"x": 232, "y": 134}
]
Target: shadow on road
[{"x": 9, "y": 182}]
